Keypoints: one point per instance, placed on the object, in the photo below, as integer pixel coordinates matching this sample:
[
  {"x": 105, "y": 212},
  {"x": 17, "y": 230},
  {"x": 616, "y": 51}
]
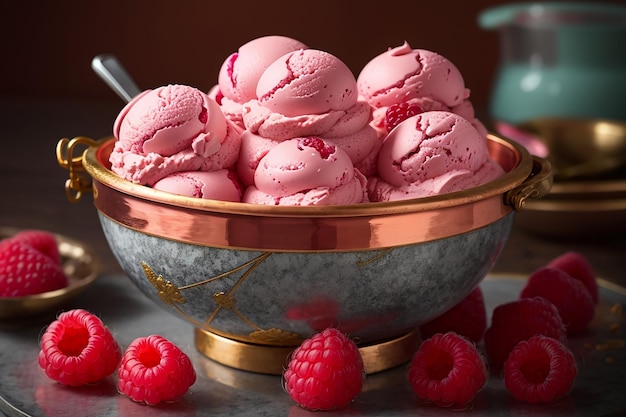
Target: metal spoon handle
[{"x": 109, "y": 68}]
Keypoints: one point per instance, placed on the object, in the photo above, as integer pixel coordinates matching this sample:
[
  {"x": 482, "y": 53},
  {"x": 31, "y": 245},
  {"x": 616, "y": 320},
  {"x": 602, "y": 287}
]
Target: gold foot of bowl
[{"x": 272, "y": 276}]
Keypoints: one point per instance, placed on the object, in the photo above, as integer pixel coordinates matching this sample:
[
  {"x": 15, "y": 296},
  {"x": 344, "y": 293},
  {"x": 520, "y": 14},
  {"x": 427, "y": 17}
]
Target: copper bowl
[{"x": 253, "y": 278}]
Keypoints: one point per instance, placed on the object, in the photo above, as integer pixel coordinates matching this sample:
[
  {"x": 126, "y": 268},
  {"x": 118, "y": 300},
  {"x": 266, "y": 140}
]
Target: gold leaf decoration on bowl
[
  {"x": 224, "y": 300},
  {"x": 172, "y": 295},
  {"x": 168, "y": 292}
]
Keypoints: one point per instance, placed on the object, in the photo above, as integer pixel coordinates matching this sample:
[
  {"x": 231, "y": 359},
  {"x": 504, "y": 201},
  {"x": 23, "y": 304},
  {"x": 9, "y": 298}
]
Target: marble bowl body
[{"x": 275, "y": 275}]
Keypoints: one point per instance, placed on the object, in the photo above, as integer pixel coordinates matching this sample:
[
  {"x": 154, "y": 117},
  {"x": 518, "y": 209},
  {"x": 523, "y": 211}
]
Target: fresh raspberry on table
[
  {"x": 578, "y": 267},
  {"x": 569, "y": 296},
  {"x": 539, "y": 370},
  {"x": 155, "y": 370},
  {"x": 325, "y": 372},
  {"x": 519, "y": 320},
  {"x": 41, "y": 240},
  {"x": 447, "y": 370},
  {"x": 398, "y": 113},
  {"x": 26, "y": 271},
  {"x": 467, "y": 318},
  {"x": 78, "y": 349}
]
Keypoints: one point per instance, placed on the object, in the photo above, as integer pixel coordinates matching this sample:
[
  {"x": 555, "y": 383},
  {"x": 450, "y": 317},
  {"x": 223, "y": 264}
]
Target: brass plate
[{"x": 81, "y": 266}]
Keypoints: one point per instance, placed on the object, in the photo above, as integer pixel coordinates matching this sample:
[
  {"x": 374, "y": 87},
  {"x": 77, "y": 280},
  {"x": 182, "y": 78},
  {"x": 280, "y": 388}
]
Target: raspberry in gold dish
[
  {"x": 80, "y": 264},
  {"x": 257, "y": 280}
]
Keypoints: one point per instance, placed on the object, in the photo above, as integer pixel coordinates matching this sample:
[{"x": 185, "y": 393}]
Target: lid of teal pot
[{"x": 551, "y": 13}]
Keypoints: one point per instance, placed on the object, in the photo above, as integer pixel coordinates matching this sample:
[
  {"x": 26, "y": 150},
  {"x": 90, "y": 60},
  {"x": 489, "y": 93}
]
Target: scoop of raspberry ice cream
[
  {"x": 215, "y": 185},
  {"x": 418, "y": 77},
  {"x": 311, "y": 93},
  {"x": 240, "y": 71},
  {"x": 307, "y": 81},
  {"x": 403, "y": 73},
  {"x": 306, "y": 171},
  {"x": 169, "y": 129},
  {"x": 431, "y": 153}
]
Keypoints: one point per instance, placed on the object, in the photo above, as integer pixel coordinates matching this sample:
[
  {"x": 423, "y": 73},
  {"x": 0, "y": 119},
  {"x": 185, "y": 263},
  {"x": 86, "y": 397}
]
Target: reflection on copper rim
[{"x": 337, "y": 228}]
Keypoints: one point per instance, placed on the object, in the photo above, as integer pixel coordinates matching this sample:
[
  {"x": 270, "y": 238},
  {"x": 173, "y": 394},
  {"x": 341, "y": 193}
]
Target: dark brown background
[{"x": 48, "y": 46}]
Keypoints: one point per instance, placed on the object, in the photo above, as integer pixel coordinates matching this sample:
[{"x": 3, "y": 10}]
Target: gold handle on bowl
[
  {"x": 79, "y": 181},
  {"x": 536, "y": 185}
]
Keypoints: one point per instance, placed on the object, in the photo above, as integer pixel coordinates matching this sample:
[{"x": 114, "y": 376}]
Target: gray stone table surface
[{"x": 223, "y": 391}]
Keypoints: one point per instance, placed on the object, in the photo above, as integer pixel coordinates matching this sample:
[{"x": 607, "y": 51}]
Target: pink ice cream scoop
[
  {"x": 348, "y": 129},
  {"x": 310, "y": 93},
  {"x": 169, "y": 119},
  {"x": 432, "y": 153},
  {"x": 216, "y": 185},
  {"x": 240, "y": 72},
  {"x": 306, "y": 171},
  {"x": 417, "y": 77},
  {"x": 307, "y": 81},
  {"x": 169, "y": 129},
  {"x": 403, "y": 73}
]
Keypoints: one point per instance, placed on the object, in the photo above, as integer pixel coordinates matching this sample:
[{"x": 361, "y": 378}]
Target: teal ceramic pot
[{"x": 558, "y": 60}]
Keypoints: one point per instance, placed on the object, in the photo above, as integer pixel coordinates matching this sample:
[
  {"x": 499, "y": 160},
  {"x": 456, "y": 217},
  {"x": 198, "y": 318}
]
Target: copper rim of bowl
[
  {"x": 337, "y": 228},
  {"x": 81, "y": 265}
]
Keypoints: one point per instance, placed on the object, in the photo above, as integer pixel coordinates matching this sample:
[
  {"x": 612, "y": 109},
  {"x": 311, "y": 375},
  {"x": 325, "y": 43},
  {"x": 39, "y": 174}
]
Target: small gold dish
[
  {"x": 588, "y": 197},
  {"x": 80, "y": 264},
  {"x": 581, "y": 149}
]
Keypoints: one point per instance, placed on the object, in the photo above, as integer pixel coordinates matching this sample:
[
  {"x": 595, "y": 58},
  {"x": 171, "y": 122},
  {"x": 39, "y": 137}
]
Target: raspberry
[
  {"x": 578, "y": 268},
  {"x": 219, "y": 96},
  {"x": 400, "y": 112},
  {"x": 539, "y": 370},
  {"x": 77, "y": 349},
  {"x": 153, "y": 370},
  {"x": 468, "y": 318},
  {"x": 26, "y": 271},
  {"x": 324, "y": 148},
  {"x": 41, "y": 240},
  {"x": 325, "y": 372},
  {"x": 519, "y": 320},
  {"x": 569, "y": 296},
  {"x": 447, "y": 370}
]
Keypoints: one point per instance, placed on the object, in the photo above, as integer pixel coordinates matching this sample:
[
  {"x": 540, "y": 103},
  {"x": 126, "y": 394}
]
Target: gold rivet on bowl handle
[
  {"x": 78, "y": 181},
  {"x": 537, "y": 185}
]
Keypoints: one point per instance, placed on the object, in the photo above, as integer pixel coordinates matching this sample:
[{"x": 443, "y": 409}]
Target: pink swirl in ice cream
[
  {"x": 306, "y": 171},
  {"x": 170, "y": 129},
  {"x": 431, "y": 153}
]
